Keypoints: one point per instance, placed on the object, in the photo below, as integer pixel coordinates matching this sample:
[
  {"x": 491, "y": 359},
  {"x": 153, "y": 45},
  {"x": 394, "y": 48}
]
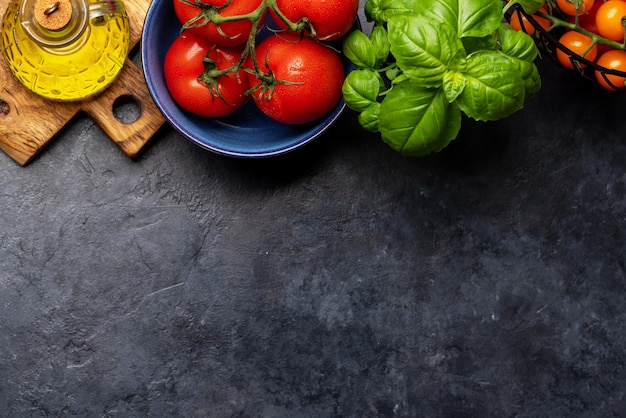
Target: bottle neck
[{"x": 54, "y": 23}]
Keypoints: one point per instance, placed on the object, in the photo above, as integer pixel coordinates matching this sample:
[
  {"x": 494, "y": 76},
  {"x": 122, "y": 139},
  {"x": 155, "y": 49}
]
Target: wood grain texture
[{"x": 29, "y": 122}]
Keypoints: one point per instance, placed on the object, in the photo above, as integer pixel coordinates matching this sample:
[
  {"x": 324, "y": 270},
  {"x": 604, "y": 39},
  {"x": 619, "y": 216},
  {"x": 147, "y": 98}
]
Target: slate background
[{"x": 340, "y": 280}]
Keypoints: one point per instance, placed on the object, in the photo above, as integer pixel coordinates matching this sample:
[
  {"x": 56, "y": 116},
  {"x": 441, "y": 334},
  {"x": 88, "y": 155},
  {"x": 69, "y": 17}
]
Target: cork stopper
[{"x": 53, "y": 15}]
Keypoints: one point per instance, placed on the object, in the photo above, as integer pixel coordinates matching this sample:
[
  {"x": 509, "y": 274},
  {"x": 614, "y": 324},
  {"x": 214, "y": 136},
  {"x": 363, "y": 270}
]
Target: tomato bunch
[
  {"x": 218, "y": 61},
  {"x": 593, "y": 30}
]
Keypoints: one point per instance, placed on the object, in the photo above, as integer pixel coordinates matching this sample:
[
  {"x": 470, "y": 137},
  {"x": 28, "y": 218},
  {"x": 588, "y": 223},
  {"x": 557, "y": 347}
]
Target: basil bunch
[{"x": 428, "y": 62}]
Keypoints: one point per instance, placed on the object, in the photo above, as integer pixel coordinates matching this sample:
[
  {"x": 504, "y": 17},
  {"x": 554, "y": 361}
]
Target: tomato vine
[
  {"x": 557, "y": 22},
  {"x": 211, "y": 14}
]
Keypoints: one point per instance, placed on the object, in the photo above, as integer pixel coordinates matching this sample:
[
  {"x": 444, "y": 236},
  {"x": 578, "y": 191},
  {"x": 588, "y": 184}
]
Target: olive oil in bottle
[{"x": 65, "y": 49}]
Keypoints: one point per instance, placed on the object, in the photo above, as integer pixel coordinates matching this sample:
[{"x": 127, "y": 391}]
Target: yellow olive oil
[{"x": 65, "y": 57}]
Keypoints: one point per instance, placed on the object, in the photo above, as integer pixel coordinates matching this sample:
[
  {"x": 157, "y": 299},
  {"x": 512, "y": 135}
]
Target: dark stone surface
[{"x": 341, "y": 280}]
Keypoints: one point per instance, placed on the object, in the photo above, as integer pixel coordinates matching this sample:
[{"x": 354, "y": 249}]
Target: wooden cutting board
[{"x": 29, "y": 122}]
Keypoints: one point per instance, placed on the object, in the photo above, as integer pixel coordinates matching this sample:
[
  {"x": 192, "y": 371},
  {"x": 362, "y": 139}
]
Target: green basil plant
[{"x": 426, "y": 63}]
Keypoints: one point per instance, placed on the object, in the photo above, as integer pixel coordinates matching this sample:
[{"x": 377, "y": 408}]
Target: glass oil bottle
[{"x": 65, "y": 50}]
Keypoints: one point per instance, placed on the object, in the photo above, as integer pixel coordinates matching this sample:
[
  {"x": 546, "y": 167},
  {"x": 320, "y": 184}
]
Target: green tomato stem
[
  {"x": 596, "y": 39},
  {"x": 211, "y": 14}
]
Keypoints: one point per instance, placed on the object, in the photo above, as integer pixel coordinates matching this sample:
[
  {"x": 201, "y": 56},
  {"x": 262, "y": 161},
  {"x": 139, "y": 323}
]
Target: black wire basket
[{"x": 548, "y": 42}]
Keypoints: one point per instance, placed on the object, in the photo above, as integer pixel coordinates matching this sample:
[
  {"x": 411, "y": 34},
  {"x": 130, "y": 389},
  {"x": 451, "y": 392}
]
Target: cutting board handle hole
[{"x": 127, "y": 109}]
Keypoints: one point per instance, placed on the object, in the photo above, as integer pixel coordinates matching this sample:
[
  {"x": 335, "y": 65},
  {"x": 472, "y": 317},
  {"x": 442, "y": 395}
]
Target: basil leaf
[
  {"x": 417, "y": 121},
  {"x": 472, "y": 44},
  {"x": 529, "y": 75},
  {"x": 453, "y": 84},
  {"x": 360, "y": 89},
  {"x": 381, "y": 10},
  {"x": 373, "y": 12},
  {"x": 522, "y": 53},
  {"x": 369, "y": 118},
  {"x": 358, "y": 48},
  {"x": 393, "y": 73},
  {"x": 530, "y": 6},
  {"x": 424, "y": 50},
  {"x": 437, "y": 61},
  {"x": 400, "y": 77},
  {"x": 532, "y": 82},
  {"x": 494, "y": 87},
  {"x": 380, "y": 41},
  {"x": 517, "y": 44},
  {"x": 475, "y": 18}
]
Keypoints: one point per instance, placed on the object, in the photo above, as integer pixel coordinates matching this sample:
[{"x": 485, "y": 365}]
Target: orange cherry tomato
[
  {"x": 520, "y": 22},
  {"x": 588, "y": 22},
  {"x": 579, "y": 44},
  {"x": 609, "y": 19},
  {"x": 616, "y": 60},
  {"x": 568, "y": 7}
]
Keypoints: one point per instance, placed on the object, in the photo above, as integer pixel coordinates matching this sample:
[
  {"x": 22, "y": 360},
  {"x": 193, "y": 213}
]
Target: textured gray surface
[{"x": 341, "y": 280}]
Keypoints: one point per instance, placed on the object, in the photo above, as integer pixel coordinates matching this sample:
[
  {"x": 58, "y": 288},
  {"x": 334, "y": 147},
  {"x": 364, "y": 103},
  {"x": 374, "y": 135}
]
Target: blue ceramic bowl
[{"x": 245, "y": 133}]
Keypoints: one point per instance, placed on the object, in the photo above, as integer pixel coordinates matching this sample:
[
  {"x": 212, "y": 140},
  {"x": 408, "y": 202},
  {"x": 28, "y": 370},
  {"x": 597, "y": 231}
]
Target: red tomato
[
  {"x": 308, "y": 78},
  {"x": 579, "y": 44},
  {"x": 616, "y": 60},
  {"x": 609, "y": 19},
  {"x": 568, "y": 7},
  {"x": 331, "y": 19},
  {"x": 520, "y": 22},
  {"x": 184, "y": 64},
  {"x": 196, "y": 18}
]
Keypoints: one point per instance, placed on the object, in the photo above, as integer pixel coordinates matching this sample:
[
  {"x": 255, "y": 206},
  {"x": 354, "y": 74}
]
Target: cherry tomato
[
  {"x": 308, "y": 78},
  {"x": 579, "y": 44},
  {"x": 520, "y": 22},
  {"x": 587, "y": 22},
  {"x": 184, "y": 63},
  {"x": 568, "y": 7},
  {"x": 331, "y": 19},
  {"x": 229, "y": 33},
  {"x": 616, "y": 60},
  {"x": 609, "y": 19}
]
